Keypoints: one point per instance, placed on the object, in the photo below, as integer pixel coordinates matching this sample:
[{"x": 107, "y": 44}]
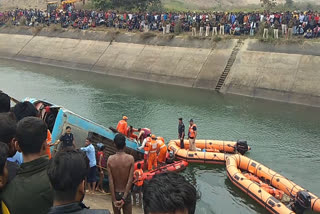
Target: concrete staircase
[{"x": 229, "y": 65}]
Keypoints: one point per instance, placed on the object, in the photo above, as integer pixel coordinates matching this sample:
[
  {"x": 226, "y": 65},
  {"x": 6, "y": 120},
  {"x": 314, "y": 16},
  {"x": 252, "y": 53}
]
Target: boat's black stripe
[
  {"x": 224, "y": 149},
  {"x": 257, "y": 168},
  {"x": 255, "y": 196},
  {"x": 272, "y": 178},
  {"x": 199, "y": 159},
  {"x": 314, "y": 203},
  {"x": 293, "y": 188},
  {"x": 248, "y": 166},
  {"x": 248, "y": 188}
]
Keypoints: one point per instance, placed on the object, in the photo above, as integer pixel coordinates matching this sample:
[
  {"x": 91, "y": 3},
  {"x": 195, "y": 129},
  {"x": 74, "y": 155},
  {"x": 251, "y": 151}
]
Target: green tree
[
  {"x": 268, "y": 4},
  {"x": 289, "y": 3},
  {"x": 127, "y": 4},
  {"x": 102, "y": 4}
]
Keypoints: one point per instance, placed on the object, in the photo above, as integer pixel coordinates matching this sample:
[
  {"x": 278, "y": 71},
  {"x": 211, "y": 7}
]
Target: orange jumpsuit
[
  {"x": 272, "y": 191},
  {"x": 146, "y": 153},
  {"x": 152, "y": 160},
  {"x": 122, "y": 127},
  {"x": 162, "y": 151},
  {"x": 131, "y": 135}
]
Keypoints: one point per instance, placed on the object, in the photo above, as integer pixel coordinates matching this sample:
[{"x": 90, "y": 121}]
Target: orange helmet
[
  {"x": 125, "y": 118},
  {"x": 160, "y": 138},
  {"x": 153, "y": 137}
]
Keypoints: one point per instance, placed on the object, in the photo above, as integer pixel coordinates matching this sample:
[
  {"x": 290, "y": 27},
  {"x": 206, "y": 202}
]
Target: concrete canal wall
[
  {"x": 284, "y": 73},
  {"x": 289, "y": 73}
]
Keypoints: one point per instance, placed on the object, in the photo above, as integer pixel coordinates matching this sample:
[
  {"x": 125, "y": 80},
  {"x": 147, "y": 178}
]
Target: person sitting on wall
[{"x": 308, "y": 34}]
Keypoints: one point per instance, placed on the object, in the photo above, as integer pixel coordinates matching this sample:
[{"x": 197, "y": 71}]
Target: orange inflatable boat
[
  {"x": 176, "y": 166},
  {"x": 218, "y": 146},
  {"x": 211, "y": 151},
  {"x": 270, "y": 189}
]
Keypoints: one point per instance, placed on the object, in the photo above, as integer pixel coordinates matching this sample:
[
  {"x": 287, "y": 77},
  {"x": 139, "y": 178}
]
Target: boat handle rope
[{"x": 276, "y": 175}]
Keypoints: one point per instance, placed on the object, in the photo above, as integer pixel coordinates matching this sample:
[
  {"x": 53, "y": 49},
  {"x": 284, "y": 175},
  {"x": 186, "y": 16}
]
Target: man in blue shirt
[
  {"x": 67, "y": 140},
  {"x": 17, "y": 158},
  {"x": 91, "y": 154}
]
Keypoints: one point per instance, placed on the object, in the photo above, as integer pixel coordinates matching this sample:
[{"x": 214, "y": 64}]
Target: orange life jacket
[
  {"x": 122, "y": 127},
  {"x": 269, "y": 189},
  {"x": 161, "y": 144},
  {"x": 140, "y": 178},
  {"x": 154, "y": 146},
  {"x": 191, "y": 131},
  {"x": 147, "y": 147},
  {"x": 160, "y": 138}
]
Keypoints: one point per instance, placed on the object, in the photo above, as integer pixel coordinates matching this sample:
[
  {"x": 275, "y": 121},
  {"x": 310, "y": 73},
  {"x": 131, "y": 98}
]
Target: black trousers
[{"x": 182, "y": 143}]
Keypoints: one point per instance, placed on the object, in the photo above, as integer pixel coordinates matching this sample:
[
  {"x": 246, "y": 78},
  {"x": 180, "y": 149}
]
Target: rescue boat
[
  {"x": 176, "y": 166},
  {"x": 270, "y": 189},
  {"x": 210, "y": 151}
]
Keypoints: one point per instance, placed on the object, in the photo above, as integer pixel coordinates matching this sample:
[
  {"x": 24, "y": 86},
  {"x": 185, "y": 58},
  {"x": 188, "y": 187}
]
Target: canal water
[{"x": 284, "y": 137}]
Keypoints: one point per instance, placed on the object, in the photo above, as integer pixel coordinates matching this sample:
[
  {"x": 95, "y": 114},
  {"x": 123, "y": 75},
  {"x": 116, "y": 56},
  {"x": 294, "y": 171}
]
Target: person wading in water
[{"x": 120, "y": 171}]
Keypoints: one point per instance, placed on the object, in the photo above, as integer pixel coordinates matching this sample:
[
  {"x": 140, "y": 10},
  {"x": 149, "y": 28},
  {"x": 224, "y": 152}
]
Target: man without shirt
[{"x": 120, "y": 171}]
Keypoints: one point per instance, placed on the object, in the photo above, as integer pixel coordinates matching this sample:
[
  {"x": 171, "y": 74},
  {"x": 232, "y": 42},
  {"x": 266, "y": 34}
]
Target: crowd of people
[
  {"x": 58, "y": 184},
  {"x": 206, "y": 24}
]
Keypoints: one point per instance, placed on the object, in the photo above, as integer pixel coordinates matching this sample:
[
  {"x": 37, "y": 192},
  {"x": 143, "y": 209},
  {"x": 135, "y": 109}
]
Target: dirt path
[{"x": 100, "y": 201}]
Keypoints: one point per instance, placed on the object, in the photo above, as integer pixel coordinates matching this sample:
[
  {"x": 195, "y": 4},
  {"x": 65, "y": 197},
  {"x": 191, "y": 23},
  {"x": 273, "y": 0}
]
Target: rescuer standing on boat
[
  {"x": 162, "y": 151},
  {"x": 181, "y": 133},
  {"x": 122, "y": 125},
  {"x": 146, "y": 146},
  {"x": 152, "y": 159},
  {"x": 192, "y": 135}
]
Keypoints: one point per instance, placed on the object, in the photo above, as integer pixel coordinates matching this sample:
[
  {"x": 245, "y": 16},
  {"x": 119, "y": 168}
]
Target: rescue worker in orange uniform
[
  {"x": 130, "y": 133},
  {"x": 152, "y": 157},
  {"x": 138, "y": 183},
  {"x": 122, "y": 125},
  {"x": 192, "y": 136},
  {"x": 162, "y": 151},
  {"x": 146, "y": 147}
]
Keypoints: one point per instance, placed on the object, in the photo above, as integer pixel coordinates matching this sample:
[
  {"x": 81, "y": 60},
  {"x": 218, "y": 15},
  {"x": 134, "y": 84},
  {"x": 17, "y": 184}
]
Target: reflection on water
[{"x": 284, "y": 137}]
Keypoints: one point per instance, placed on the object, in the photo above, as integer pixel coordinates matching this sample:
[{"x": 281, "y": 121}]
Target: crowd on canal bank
[
  {"x": 276, "y": 24},
  {"x": 57, "y": 184}
]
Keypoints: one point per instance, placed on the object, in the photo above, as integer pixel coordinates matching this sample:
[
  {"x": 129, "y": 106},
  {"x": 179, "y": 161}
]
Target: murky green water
[{"x": 284, "y": 137}]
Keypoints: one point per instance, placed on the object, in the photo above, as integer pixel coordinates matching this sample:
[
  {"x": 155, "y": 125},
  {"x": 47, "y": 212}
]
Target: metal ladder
[{"x": 229, "y": 65}]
